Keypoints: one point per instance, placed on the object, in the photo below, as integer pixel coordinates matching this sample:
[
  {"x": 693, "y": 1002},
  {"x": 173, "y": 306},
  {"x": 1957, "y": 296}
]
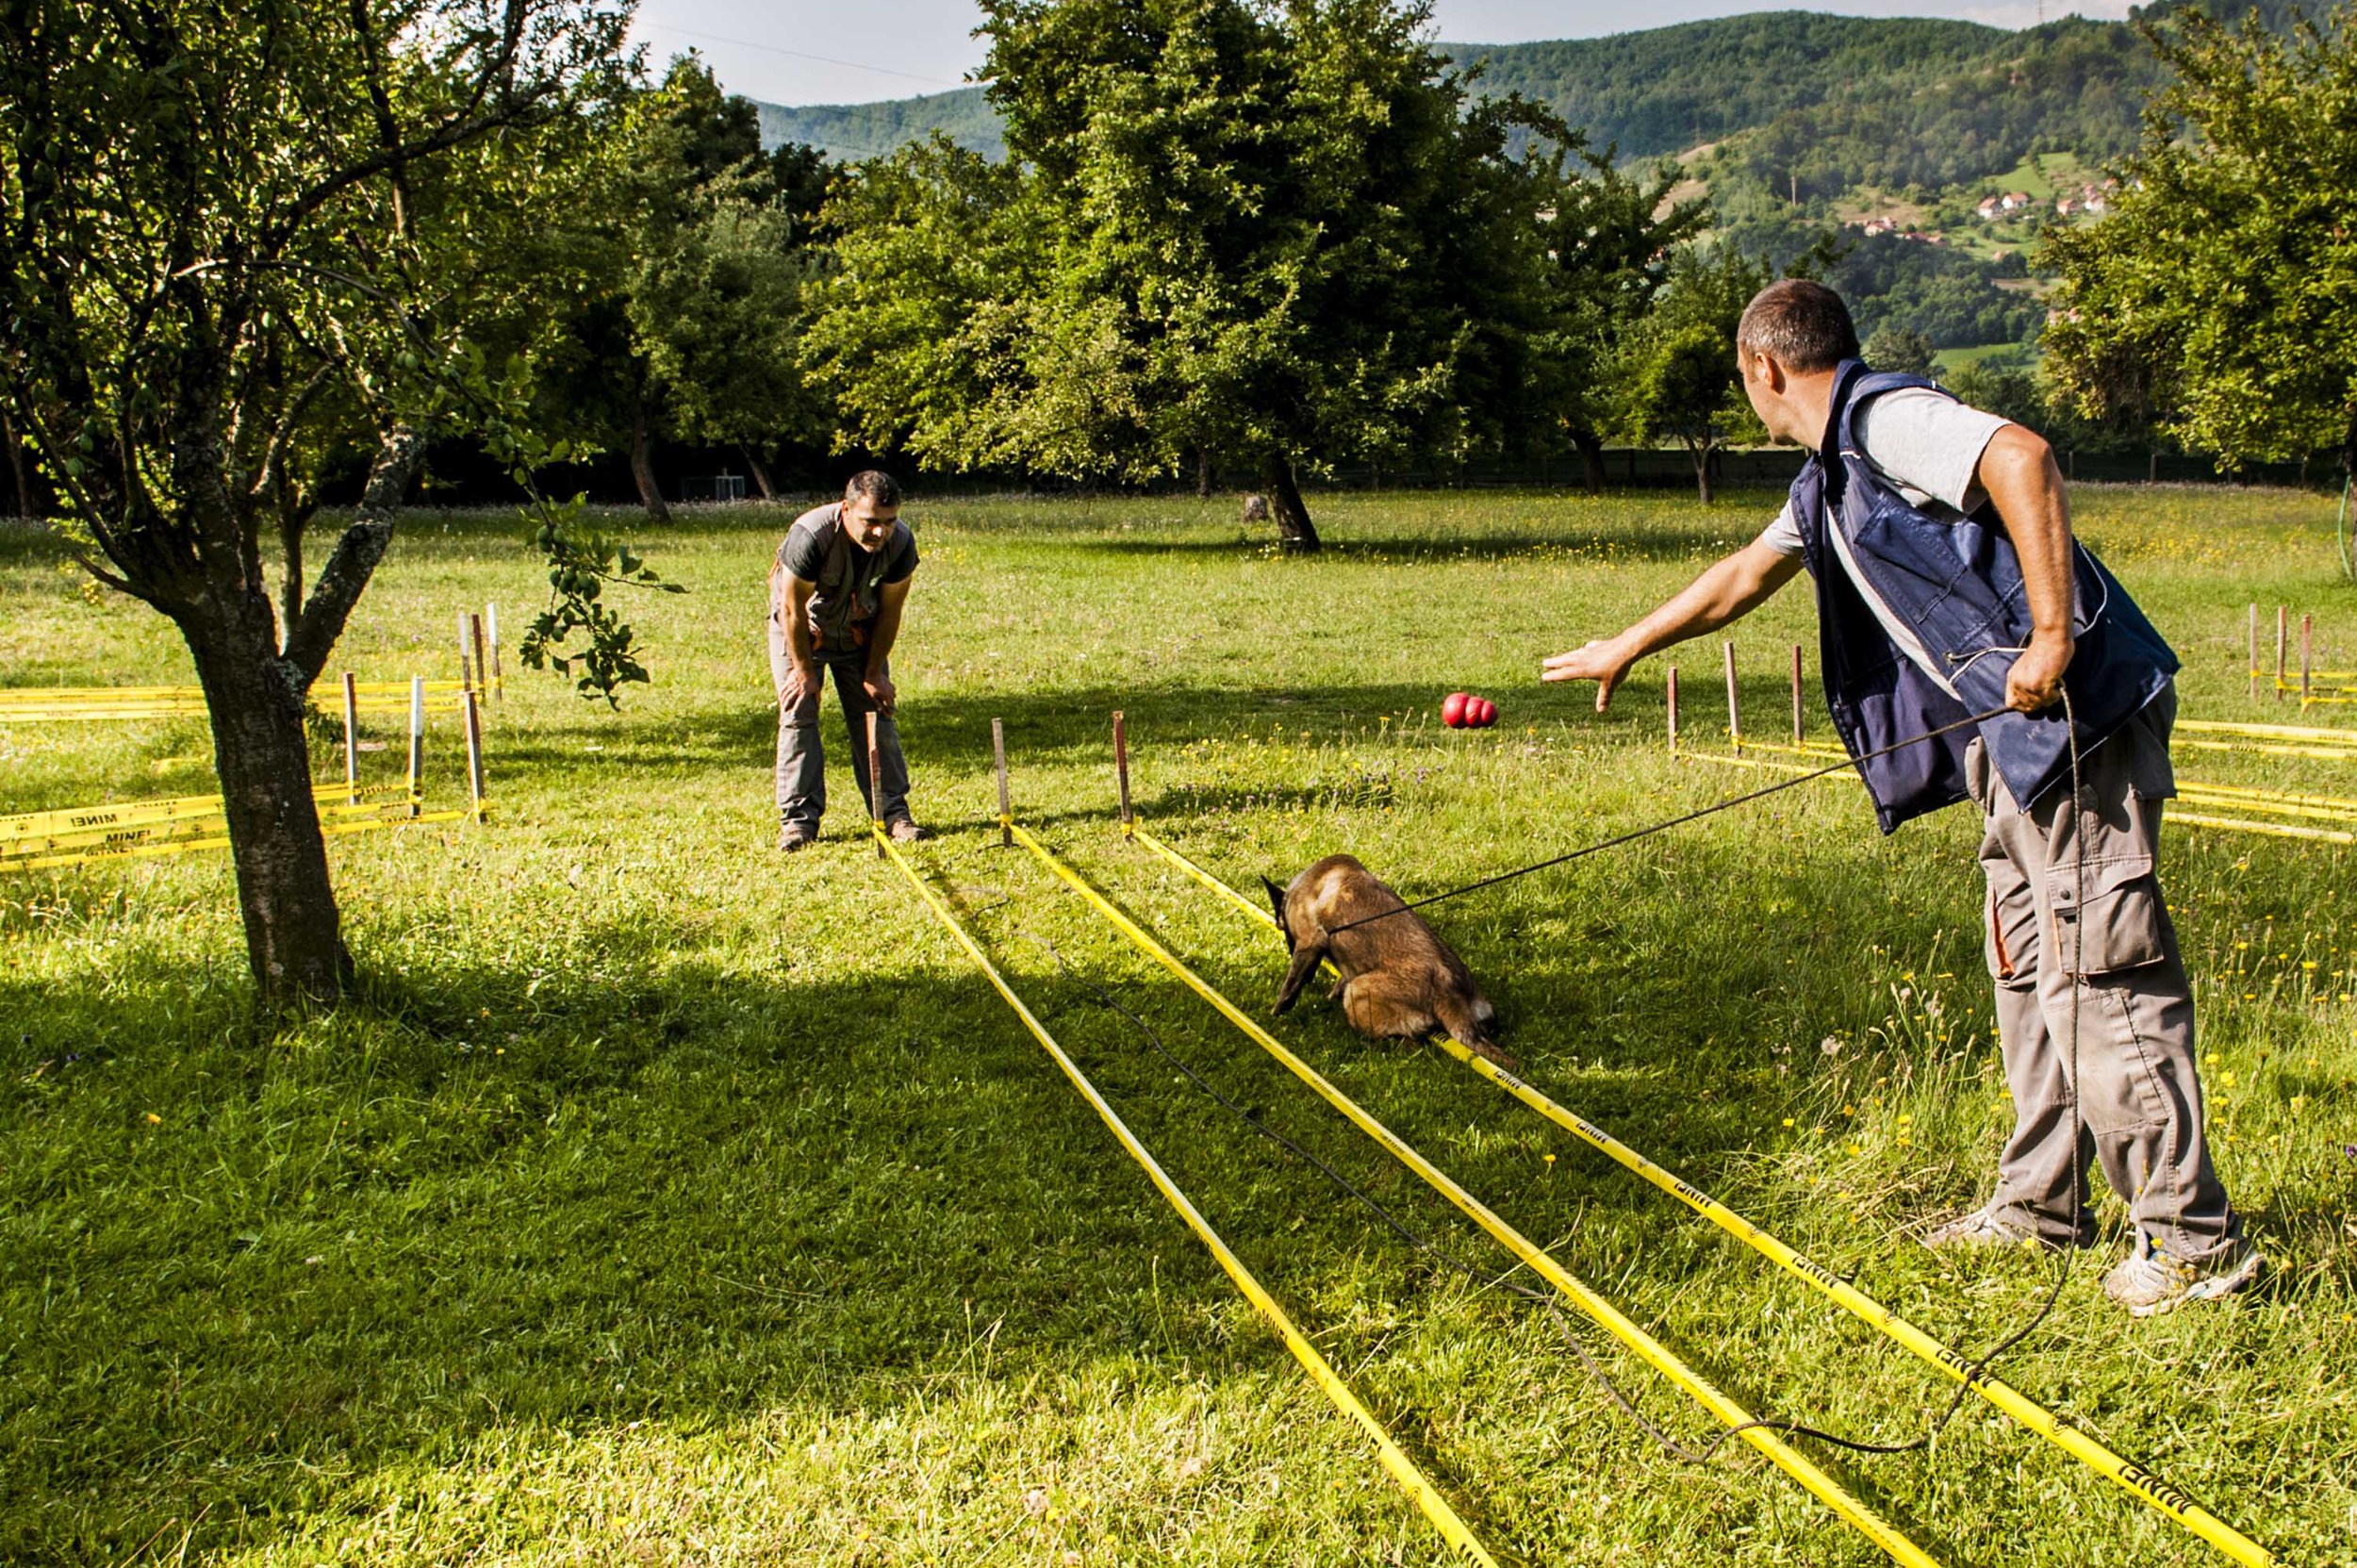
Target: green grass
[{"x": 663, "y": 1199}]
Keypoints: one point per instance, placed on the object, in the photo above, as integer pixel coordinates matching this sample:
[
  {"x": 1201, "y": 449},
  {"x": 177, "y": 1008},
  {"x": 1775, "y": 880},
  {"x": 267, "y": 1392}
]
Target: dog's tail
[{"x": 1469, "y": 1026}]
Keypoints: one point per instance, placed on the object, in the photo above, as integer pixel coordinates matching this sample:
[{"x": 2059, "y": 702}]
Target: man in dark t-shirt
[{"x": 836, "y": 591}]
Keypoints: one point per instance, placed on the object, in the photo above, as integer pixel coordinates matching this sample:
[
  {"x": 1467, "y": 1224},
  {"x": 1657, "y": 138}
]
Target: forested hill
[
  {"x": 1827, "y": 102},
  {"x": 850, "y": 131}
]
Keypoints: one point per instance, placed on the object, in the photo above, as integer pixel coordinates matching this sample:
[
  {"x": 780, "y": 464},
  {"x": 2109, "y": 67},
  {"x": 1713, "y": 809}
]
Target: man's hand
[
  {"x": 1602, "y": 661},
  {"x": 802, "y": 682},
  {"x": 2035, "y": 681},
  {"x": 880, "y": 690}
]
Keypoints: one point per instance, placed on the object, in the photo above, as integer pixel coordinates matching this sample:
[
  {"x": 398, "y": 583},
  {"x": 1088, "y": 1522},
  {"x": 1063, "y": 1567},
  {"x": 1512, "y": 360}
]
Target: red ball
[
  {"x": 1453, "y": 710},
  {"x": 1484, "y": 713}
]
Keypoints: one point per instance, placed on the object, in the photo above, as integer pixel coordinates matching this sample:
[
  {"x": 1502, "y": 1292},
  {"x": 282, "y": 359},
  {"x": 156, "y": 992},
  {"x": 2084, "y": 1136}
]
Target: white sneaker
[
  {"x": 1991, "y": 1225},
  {"x": 2149, "y": 1282}
]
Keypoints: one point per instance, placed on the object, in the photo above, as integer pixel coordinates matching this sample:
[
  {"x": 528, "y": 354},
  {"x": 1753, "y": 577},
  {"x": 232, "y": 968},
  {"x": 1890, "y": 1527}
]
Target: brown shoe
[
  {"x": 793, "y": 836},
  {"x": 905, "y": 831}
]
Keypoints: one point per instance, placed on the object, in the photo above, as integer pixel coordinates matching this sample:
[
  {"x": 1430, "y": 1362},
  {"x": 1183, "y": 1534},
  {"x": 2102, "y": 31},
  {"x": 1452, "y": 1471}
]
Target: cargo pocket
[{"x": 2118, "y": 928}]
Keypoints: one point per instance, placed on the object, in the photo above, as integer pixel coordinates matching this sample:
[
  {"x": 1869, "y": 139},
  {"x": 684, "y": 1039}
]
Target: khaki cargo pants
[{"x": 2139, "y": 1104}]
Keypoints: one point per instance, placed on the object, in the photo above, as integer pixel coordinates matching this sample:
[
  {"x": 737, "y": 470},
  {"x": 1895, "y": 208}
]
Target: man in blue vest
[
  {"x": 1948, "y": 585},
  {"x": 836, "y": 591}
]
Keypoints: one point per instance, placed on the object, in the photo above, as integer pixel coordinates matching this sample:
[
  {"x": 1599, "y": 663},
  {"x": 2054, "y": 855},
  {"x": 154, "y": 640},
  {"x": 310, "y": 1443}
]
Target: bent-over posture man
[
  {"x": 836, "y": 592},
  {"x": 1948, "y": 584}
]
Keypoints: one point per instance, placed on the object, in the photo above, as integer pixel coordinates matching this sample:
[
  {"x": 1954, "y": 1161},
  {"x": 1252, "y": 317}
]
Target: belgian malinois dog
[{"x": 1399, "y": 979}]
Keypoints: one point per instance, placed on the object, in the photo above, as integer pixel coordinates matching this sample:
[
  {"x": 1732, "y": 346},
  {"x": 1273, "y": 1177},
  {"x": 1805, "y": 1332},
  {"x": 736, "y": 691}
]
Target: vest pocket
[{"x": 2120, "y": 926}]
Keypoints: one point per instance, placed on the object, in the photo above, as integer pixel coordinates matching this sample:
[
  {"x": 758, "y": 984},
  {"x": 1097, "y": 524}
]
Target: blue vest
[{"x": 1957, "y": 585}]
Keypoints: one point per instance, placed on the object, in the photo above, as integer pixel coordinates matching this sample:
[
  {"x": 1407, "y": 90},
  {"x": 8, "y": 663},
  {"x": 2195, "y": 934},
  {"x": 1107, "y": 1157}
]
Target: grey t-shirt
[
  {"x": 1928, "y": 446},
  {"x": 804, "y": 553}
]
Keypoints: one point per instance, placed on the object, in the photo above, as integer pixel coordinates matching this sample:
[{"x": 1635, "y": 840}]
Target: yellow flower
[{"x": 1788, "y": 1121}]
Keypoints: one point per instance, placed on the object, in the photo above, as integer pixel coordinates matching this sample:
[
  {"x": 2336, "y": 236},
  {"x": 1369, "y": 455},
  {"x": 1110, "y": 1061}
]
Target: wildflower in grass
[{"x": 1788, "y": 1121}]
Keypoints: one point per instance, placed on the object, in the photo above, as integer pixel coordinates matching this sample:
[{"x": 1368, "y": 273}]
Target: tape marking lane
[
  {"x": 1392, "y": 1458},
  {"x": 1779, "y": 1452},
  {"x": 2132, "y": 1478},
  {"x": 394, "y": 816},
  {"x": 123, "y": 813}
]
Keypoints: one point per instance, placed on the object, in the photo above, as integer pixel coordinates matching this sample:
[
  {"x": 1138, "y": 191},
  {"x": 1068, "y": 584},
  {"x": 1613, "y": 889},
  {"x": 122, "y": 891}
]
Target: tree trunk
[
  {"x": 25, "y": 507},
  {"x": 1296, "y": 534},
  {"x": 1203, "y": 473},
  {"x": 642, "y": 467},
  {"x": 293, "y": 932},
  {"x": 1702, "y": 470},
  {"x": 761, "y": 474},
  {"x": 1591, "y": 458}
]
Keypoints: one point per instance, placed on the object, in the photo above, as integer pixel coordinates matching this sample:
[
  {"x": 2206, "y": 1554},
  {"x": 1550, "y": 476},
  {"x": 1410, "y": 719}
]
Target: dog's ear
[{"x": 1277, "y": 899}]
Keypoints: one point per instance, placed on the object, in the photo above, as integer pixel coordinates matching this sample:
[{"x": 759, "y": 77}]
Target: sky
[{"x": 854, "y": 51}]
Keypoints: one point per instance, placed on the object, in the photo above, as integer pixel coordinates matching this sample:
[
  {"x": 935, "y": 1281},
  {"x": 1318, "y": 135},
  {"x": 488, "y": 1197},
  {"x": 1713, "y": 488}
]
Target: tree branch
[{"x": 341, "y": 582}]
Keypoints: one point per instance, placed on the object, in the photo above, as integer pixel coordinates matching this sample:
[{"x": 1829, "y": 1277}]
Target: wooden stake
[
  {"x": 874, "y": 779},
  {"x": 482, "y": 666},
  {"x": 2282, "y": 629},
  {"x": 1735, "y": 718},
  {"x": 998, "y": 756},
  {"x": 2307, "y": 630},
  {"x": 1121, "y": 767},
  {"x": 352, "y": 740},
  {"x": 1673, "y": 710},
  {"x": 466, "y": 660},
  {"x": 491, "y": 629},
  {"x": 1796, "y": 694},
  {"x": 417, "y": 744},
  {"x": 2255, "y": 651},
  {"x": 475, "y": 789}
]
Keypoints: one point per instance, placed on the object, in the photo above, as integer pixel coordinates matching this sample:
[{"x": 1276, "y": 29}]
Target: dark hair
[
  {"x": 873, "y": 484},
  {"x": 1801, "y": 324}
]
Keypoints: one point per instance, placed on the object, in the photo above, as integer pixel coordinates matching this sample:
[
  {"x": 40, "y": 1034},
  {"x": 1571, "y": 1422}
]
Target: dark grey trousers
[
  {"x": 802, "y": 773},
  {"x": 2139, "y": 1100}
]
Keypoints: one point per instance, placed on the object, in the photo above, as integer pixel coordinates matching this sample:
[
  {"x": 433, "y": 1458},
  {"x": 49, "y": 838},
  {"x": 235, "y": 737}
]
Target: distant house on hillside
[
  {"x": 2065, "y": 207},
  {"x": 1922, "y": 238},
  {"x": 1880, "y": 225},
  {"x": 2014, "y": 201},
  {"x": 1988, "y": 208}
]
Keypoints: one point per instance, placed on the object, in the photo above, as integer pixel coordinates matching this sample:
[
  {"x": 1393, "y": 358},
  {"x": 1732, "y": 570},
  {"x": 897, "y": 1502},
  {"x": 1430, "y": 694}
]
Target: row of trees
[{"x": 253, "y": 245}]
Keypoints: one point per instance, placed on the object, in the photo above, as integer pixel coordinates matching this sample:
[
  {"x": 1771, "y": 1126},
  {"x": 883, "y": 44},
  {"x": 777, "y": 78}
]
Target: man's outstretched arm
[{"x": 1730, "y": 589}]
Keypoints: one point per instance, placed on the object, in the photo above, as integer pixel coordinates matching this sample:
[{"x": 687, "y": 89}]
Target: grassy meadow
[{"x": 661, "y": 1198}]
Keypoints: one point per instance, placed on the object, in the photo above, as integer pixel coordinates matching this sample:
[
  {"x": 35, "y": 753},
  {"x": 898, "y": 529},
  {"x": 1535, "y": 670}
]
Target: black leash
[{"x": 1633, "y": 835}]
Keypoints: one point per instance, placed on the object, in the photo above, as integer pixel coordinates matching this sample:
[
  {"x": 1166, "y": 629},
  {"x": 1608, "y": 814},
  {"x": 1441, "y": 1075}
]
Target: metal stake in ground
[
  {"x": 481, "y": 665},
  {"x": 998, "y": 758},
  {"x": 417, "y": 744},
  {"x": 2282, "y": 630},
  {"x": 474, "y": 754},
  {"x": 352, "y": 741},
  {"x": 1673, "y": 710},
  {"x": 1120, "y": 770},
  {"x": 466, "y": 659},
  {"x": 1735, "y": 720},
  {"x": 2255, "y": 651},
  {"x": 1796, "y": 694},
  {"x": 874, "y": 784},
  {"x": 497, "y": 680},
  {"x": 2307, "y": 650}
]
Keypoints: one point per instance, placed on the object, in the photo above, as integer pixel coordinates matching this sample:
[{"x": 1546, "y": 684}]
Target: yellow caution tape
[
  {"x": 124, "y": 812},
  {"x": 1393, "y": 1460},
  {"x": 2314, "y": 808},
  {"x": 2270, "y": 830},
  {"x": 1779, "y": 1452},
  {"x": 164, "y": 828},
  {"x": 2133, "y": 1478},
  {"x": 214, "y": 839}
]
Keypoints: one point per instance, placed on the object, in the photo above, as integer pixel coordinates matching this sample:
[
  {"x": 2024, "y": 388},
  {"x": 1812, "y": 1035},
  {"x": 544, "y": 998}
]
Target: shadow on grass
[{"x": 630, "y": 1190}]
